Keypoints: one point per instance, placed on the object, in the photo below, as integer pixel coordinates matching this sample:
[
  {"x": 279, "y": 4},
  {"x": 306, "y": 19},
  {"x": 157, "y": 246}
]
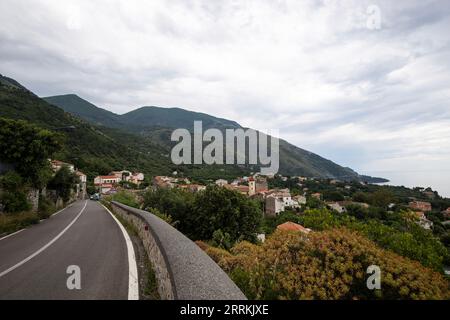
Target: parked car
[{"x": 95, "y": 197}]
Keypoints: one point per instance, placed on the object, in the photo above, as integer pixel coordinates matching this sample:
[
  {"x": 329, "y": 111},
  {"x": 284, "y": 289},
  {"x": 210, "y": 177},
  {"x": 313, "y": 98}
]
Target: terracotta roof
[
  {"x": 107, "y": 177},
  {"x": 291, "y": 226}
]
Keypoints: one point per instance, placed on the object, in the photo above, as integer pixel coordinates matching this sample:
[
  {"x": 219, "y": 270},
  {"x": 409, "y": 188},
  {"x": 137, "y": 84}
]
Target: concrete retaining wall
[{"x": 182, "y": 269}]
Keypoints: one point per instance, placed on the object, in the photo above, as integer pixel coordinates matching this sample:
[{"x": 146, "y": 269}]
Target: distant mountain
[
  {"x": 93, "y": 149},
  {"x": 85, "y": 110},
  {"x": 174, "y": 118},
  {"x": 10, "y": 82},
  {"x": 157, "y": 123}
]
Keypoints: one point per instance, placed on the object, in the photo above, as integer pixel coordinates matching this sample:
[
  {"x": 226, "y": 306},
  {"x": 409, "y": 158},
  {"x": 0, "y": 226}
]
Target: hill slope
[
  {"x": 92, "y": 149},
  {"x": 157, "y": 124},
  {"x": 174, "y": 118},
  {"x": 85, "y": 110}
]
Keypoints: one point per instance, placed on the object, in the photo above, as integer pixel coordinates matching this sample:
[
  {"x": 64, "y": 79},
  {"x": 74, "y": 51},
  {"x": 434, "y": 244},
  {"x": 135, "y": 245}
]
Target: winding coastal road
[{"x": 39, "y": 262}]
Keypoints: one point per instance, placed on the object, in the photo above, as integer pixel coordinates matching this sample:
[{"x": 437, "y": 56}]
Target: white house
[
  {"x": 336, "y": 206},
  {"x": 111, "y": 179},
  {"x": 221, "y": 182},
  {"x": 278, "y": 200}
]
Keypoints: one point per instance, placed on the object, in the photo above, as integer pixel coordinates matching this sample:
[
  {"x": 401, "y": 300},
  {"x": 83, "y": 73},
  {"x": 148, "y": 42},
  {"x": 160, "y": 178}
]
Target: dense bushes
[
  {"x": 28, "y": 148},
  {"x": 63, "y": 182},
  {"x": 325, "y": 265},
  {"x": 202, "y": 214},
  {"x": 124, "y": 197},
  {"x": 13, "y": 222},
  {"x": 12, "y": 196},
  {"x": 401, "y": 236}
]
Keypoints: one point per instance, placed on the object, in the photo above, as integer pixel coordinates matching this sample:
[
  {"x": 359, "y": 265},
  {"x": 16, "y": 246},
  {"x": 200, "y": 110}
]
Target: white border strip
[
  {"x": 14, "y": 233},
  {"x": 133, "y": 284},
  {"x": 11, "y": 234},
  {"x": 44, "y": 247}
]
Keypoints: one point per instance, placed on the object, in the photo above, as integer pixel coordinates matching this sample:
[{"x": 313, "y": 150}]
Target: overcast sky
[{"x": 368, "y": 93}]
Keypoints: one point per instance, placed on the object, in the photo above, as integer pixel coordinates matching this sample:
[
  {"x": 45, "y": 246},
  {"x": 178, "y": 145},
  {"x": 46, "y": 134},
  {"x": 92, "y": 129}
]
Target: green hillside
[
  {"x": 92, "y": 149},
  {"x": 173, "y": 118},
  {"x": 140, "y": 139},
  {"x": 85, "y": 110},
  {"x": 156, "y": 124}
]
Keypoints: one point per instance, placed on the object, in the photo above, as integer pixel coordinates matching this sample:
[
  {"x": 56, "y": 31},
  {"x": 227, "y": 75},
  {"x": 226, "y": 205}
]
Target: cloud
[{"x": 366, "y": 98}]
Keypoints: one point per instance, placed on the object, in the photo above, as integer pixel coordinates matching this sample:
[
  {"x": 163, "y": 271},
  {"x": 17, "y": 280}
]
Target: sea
[{"x": 438, "y": 180}]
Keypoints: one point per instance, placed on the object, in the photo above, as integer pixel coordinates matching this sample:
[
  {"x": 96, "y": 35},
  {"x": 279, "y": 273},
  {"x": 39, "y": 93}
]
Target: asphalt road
[{"x": 34, "y": 262}]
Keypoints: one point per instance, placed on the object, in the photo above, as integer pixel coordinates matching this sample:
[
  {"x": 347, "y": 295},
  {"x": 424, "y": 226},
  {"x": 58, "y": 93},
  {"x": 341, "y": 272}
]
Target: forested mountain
[
  {"x": 99, "y": 140},
  {"x": 93, "y": 149},
  {"x": 157, "y": 123}
]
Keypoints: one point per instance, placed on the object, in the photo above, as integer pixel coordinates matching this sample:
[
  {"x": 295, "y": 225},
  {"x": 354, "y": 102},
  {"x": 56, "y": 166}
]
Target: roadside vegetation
[
  {"x": 25, "y": 151},
  {"x": 325, "y": 265},
  {"x": 216, "y": 214}
]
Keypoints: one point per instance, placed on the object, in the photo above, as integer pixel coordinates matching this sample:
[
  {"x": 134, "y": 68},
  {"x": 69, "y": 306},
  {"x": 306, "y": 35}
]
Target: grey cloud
[{"x": 304, "y": 67}]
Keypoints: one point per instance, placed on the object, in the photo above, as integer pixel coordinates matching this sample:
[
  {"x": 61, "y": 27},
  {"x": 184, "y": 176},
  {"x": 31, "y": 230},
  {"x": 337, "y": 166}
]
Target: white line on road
[
  {"x": 133, "y": 284},
  {"x": 10, "y": 235},
  {"x": 44, "y": 247}
]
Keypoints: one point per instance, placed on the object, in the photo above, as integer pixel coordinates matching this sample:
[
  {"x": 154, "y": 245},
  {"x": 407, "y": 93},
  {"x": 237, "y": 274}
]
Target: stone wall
[
  {"x": 165, "y": 289},
  {"x": 183, "y": 271}
]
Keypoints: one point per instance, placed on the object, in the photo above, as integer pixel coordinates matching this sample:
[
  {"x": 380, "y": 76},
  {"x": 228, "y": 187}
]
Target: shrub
[
  {"x": 11, "y": 223},
  {"x": 46, "y": 207},
  {"x": 126, "y": 198},
  {"x": 63, "y": 182},
  {"x": 330, "y": 264},
  {"x": 13, "y": 197}
]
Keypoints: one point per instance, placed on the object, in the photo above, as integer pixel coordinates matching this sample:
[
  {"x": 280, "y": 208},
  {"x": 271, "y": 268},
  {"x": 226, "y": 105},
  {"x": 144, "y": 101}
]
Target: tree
[
  {"x": 333, "y": 196},
  {"x": 63, "y": 182},
  {"x": 28, "y": 148},
  {"x": 201, "y": 214},
  {"x": 13, "y": 196},
  {"x": 219, "y": 208}
]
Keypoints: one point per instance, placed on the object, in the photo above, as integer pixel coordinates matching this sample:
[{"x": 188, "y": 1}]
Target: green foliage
[
  {"x": 46, "y": 207},
  {"x": 333, "y": 196},
  {"x": 220, "y": 208},
  {"x": 314, "y": 203},
  {"x": 325, "y": 265},
  {"x": 14, "y": 201},
  {"x": 221, "y": 239},
  {"x": 402, "y": 236},
  {"x": 13, "y": 196},
  {"x": 127, "y": 198},
  {"x": 202, "y": 213},
  {"x": 28, "y": 149},
  {"x": 12, "y": 222},
  {"x": 163, "y": 216},
  {"x": 63, "y": 182}
]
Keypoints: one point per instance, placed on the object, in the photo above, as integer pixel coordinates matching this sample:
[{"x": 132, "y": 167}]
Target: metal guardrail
[{"x": 192, "y": 274}]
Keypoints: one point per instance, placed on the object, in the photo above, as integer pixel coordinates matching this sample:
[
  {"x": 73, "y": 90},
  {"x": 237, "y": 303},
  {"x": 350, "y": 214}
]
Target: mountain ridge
[{"x": 153, "y": 122}]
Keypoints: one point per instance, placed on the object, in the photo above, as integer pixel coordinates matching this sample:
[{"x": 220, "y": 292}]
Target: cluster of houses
[
  {"x": 277, "y": 201},
  {"x": 108, "y": 184}
]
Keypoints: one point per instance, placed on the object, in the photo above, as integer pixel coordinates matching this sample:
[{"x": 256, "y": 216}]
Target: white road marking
[
  {"x": 11, "y": 234},
  {"x": 133, "y": 284},
  {"x": 44, "y": 247}
]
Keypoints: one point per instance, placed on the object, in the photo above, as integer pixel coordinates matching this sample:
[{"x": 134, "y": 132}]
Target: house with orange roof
[
  {"x": 291, "y": 226},
  {"x": 420, "y": 206}
]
